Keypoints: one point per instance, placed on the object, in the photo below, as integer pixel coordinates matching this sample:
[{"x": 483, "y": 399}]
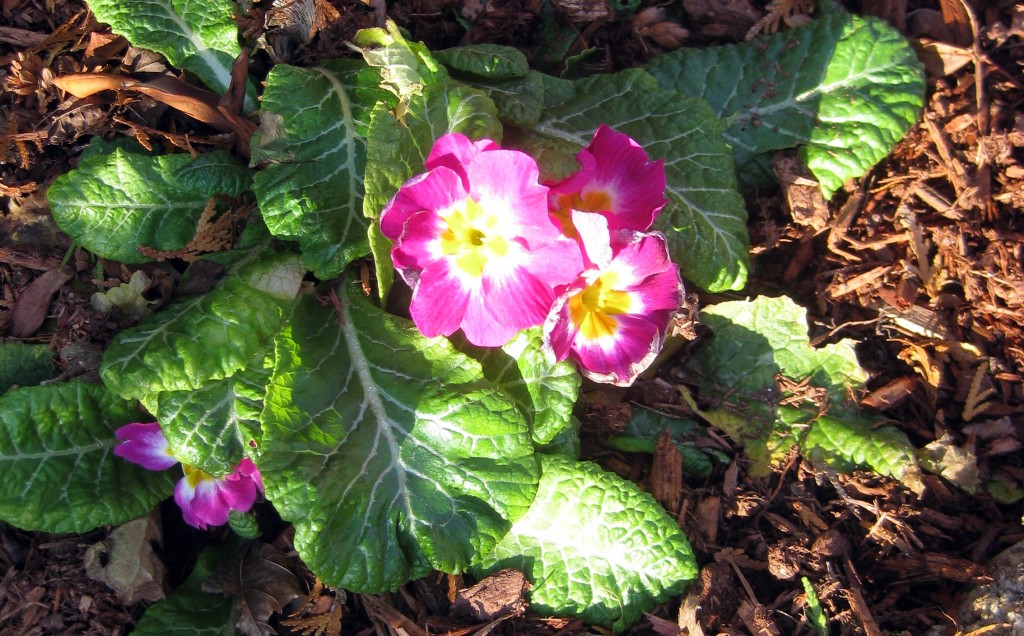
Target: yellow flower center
[
  {"x": 595, "y": 308},
  {"x": 472, "y": 237},
  {"x": 195, "y": 476}
]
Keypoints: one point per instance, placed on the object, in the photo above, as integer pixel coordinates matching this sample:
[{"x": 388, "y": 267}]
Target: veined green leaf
[
  {"x": 216, "y": 425},
  {"x": 115, "y": 201},
  {"x": 844, "y": 87},
  {"x": 312, "y": 189},
  {"x": 389, "y": 452},
  {"x": 705, "y": 220},
  {"x": 188, "y": 610},
  {"x": 545, "y": 391},
  {"x": 58, "y": 472},
  {"x": 595, "y": 546},
  {"x": 201, "y": 37},
  {"x": 201, "y": 339},
  {"x": 758, "y": 341},
  {"x": 490, "y": 61},
  {"x": 24, "y": 364}
]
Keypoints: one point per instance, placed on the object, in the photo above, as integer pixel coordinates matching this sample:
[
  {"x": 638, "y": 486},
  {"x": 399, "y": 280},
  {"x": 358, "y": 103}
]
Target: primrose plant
[{"x": 541, "y": 225}]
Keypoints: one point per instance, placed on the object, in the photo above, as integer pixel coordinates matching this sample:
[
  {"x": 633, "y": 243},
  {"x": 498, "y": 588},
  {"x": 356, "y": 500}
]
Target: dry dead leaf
[
  {"x": 127, "y": 562},
  {"x": 320, "y": 614},
  {"x": 497, "y": 595},
  {"x": 262, "y": 581},
  {"x": 212, "y": 235},
  {"x": 34, "y": 301},
  {"x": 791, "y": 12}
]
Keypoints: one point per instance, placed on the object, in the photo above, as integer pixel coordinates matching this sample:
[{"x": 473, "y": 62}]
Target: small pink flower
[
  {"x": 612, "y": 319},
  {"x": 615, "y": 180},
  {"x": 474, "y": 241},
  {"x": 144, "y": 444},
  {"x": 204, "y": 500},
  {"x": 208, "y": 501}
]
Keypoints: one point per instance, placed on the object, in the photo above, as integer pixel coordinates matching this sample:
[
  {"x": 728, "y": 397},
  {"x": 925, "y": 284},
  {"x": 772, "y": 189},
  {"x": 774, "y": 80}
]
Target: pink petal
[
  {"x": 437, "y": 190},
  {"x": 439, "y": 299},
  {"x": 144, "y": 444},
  {"x": 419, "y": 243},
  {"x": 200, "y": 503},
  {"x": 507, "y": 180},
  {"x": 455, "y": 150},
  {"x": 636, "y": 343}
]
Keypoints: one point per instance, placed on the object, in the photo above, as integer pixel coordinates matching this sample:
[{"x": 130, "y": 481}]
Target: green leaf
[
  {"x": 312, "y": 189},
  {"x": 204, "y": 338},
  {"x": 201, "y": 37},
  {"x": 705, "y": 219},
  {"x": 24, "y": 364},
  {"x": 645, "y": 427},
  {"x": 490, "y": 61},
  {"x": 814, "y": 612},
  {"x": 400, "y": 139},
  {"x": 545, "y": 391},
  {"x": 845, "y": 87},
  {"x": 216, "y": 425},
  {"x": 756, "y": 342},
  {"x": 595, "y": 546},
  {"x": 58, "y": 472},
  {"x": 519, "y": 101},
  {"x": 115, "y": 201},
  {"x": 188, "y": 610},
  {"x": 389, "y": 452}
]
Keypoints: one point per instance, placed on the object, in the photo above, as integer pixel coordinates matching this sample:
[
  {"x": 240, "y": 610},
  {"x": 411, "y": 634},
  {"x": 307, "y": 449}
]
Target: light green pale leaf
[
  {"x": 758, "y": 341},
  {"x": 201, "y": 37},
  {"x": 595, "y": 546},
  {"x": 389, "y": 452},
  {"x": 115, "y": 201},
  {"x": 58, "y": 471},
  {"x": 705, "y": 219},
  {"x": 847, "y": 88},
  {"x": 491, "y": 61},
  {"x": 24, "y": 364},
  {"x": 200, "y": 339},
  {"x": 544, "y": 390},
  {"x": 311, "y": 191}
]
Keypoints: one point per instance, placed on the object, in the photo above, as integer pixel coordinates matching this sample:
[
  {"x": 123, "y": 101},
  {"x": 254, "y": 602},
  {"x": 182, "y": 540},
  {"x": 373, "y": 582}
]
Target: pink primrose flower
[
  {"x": 475, "y": 242},
  {"x": 208, "y": 501},
  {"x": 204, "y": 500},
  {"x": 615, "y": 180},
  {"x": 145, "y": 445},
  {"x": 612, "y": 320}
]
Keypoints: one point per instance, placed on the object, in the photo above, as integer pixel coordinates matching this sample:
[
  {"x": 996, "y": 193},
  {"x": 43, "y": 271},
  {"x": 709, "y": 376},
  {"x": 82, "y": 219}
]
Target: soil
[{"x": 920, "y": 262}]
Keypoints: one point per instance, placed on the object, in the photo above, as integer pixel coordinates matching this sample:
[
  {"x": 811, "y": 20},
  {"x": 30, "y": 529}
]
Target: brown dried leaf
[
  {"x": 667, "y": 473},
  {"x": 781, "y": 10},
  {"x": 211, "y": 235},
  {"x": 320, "y": 614},
  {"x": 32, "y": 305},
  {"x": 126, "y": 561},
  {"x": 262, "y": 581},
  {"x": 498, "y": 595}
]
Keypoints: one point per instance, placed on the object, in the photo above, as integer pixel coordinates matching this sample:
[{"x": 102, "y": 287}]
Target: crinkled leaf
[
  {"x": 204, "y": 338},
  {"x": 24, "y": 364},
  {"x": 705, "y": 220},
  {"x": 188, "y": 610},
  {"x": 215, "y": 171},
  {"x": 645, "y": 427},
  {"x": 396, "y": 148},
  {"x": 595, "y": 546},
  {"x": 756, "y": 343},
  {"x": 405, "y": 67},
  {"x": 845, "y": 87},
  {"x": 544, "y": 390},
  {"x": 114, "y": 202},
  {"x": 216, "y": 425},
  {"x": 58, "y": 472},
  {"x": 389, "y": 452},
  {"x": 491, "y": 61},
  {"x": 201, "y": 37},
  {"x": 310, "y": 135},
  {"x": 519, "y": 101}
]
